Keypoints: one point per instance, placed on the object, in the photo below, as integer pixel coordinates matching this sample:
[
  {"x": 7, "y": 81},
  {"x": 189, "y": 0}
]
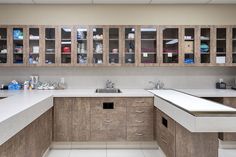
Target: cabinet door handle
[
  {"x": 139, "y": 111},
  {"x": 163, "y": 140},
  {"x": 140, "y": 101},
  {"x": 108, "y": 121},
  {"x": 139, "y": 121},
  {"x": 138, "y": 134}
]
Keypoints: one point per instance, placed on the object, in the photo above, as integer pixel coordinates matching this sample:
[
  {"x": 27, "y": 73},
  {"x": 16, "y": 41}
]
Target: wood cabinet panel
[
  {"x": 63, "y": 119},
  {"x": 140, "y": 133},
  {"x": 132, "y": 102},
  {"x": 195, "y": 144},
  {"x": 32, "y": 141},
  {"x": 81, "y": 119}
]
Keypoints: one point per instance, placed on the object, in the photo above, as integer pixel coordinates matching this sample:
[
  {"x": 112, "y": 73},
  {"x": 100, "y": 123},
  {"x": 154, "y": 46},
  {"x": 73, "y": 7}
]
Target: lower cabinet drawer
[
  {"x": 140, "y": 133},
  {"x": 139, "y": 120}
]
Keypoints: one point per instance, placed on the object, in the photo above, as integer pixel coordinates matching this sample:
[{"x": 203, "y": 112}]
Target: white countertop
[
  {"x": 195, "y": 114},
  {"x": 210, "y": 92},
  {"x": 191, "y": 103}
]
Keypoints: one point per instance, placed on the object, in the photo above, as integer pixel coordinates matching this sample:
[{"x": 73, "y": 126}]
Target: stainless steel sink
[{"x": 108, "y": 90}]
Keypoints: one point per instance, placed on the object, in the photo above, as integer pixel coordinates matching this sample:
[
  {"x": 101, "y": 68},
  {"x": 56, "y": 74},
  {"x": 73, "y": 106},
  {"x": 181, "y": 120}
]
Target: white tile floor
[
  {"x": 227, "y": 152},
  {"x": 104, "y": 153},
  {"x": 121, "y": 153}
]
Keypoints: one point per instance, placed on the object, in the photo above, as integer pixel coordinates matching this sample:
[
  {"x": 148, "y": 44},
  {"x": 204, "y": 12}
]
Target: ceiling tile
[
  {"x": 223, "y": 2},
  {"x": 63, "y": 1},
  {"x": 121, "y": 1},
  {"x": 15, "y": 1},
  {"x": 179, "y": 1}
]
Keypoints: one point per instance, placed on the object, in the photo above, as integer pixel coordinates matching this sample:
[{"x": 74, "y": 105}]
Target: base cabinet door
[
  {"x": 81, "y": 119},
  {"x": 71, "y": 119},
  {"x": 62, "y": 119}
]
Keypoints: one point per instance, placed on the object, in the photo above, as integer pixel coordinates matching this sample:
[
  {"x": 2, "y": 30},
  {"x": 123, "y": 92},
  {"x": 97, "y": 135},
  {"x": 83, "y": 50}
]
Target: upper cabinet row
[{"x": 117, "y": 45}]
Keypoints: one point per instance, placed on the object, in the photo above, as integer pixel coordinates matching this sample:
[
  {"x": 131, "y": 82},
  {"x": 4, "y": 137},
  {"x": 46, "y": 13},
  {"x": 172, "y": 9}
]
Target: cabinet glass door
[
  {"x": 189, "y": 48},
  {"x": 130, "y": 45},
  {"x": 82, "y": 46},
  {"x": 66, "y": 47},
  {"x": 221, "y": 45},
  {"x": 170, "y": 45},
  {"x": 98, "y": 48},
  {"x": 34, "y": 48},
  {"x": 3, "y": 46},
  {"x": 234, "y": 45},
  {"x": 50, "y": 46},
  {"x": 148, "y": 45},
  {"x": 114, "y": 46},
  {"x": 205, "y": 47},
  {"x": 18, "y": 46}
]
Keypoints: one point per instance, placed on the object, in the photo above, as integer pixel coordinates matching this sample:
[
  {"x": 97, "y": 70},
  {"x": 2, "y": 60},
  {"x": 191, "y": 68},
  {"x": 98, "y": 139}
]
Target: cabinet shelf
[{"x": 148, "y": 39}]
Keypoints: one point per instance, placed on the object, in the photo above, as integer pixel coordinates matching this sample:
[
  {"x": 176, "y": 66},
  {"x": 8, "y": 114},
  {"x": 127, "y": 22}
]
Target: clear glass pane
[
  {"x": 234, "y": 45},
  {"x": 50, "y": 46},
  {"x": 205, "y": 45},
  {"x": 171, "y": 45},
  {"x": 98, "y": 45},
  {"x": 34, "y": 45},
  {"x": 189, "y": 48},
  {"x": 3, "y": 45},
  {"x": 113, "y": 45},
  {"x": 221, "y": 45},
  {"x": 18, "y": 46},
  {"x": 82, "y": 57},
  {"x": 65, "y": 45},
  {"x": 148, "y": 45},
  {"x": 129, "y": 45}
]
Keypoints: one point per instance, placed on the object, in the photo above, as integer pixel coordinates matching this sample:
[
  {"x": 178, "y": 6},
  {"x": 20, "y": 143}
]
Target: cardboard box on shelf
[{"x": 188, "y": 47}]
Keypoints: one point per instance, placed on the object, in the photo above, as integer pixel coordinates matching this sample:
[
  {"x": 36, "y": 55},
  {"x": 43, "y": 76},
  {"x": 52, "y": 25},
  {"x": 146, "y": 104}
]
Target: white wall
[{"x": 129, "y": 77}]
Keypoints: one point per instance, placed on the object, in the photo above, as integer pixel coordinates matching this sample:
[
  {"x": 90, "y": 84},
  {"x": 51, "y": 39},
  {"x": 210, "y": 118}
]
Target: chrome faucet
[
  {"x": 109, "y": 84},
  {"x": 157, "y": 84}
]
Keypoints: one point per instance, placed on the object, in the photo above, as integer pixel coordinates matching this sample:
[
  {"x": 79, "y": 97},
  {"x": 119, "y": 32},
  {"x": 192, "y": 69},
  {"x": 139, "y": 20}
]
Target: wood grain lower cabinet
[
  {"x": 32, "y": 141},
  {"x": 231, "y": 102},
  {"x": 71, "y": 119},
  {"x": 140, "y": 119},
  {"x": 108, "y": 124},
  {"x": 176, "y": 141},
  {"x": 103, "y": 119}
]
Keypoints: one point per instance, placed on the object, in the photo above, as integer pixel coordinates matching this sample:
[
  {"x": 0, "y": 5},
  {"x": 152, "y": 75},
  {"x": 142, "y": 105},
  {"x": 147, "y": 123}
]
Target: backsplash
[{"x": 124, "y": 77}]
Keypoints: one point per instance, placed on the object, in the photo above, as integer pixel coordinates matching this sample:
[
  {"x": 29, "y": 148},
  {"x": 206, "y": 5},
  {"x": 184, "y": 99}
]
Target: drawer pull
[
  {"x": 139, "y": 101},
  {"x": 163, "y": 140},
  {"x": 139, "y": 111},
  {"x": 138, "y": 134},
  {"x": 139, "y": 121},
  {"x": 108, "y": 121}
]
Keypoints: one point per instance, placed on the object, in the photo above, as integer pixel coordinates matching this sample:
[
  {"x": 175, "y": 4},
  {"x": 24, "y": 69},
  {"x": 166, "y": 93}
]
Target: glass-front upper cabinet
[
  {"x": 221, "y": 38},
  {"x": 130, "y": 48},
  {"x": 18, "y": 43},
  {"x": 3, "y": 46},
  {"x": 82, "y": 45},
  {"x": 34, "y": 45},
  {"x": 148, "y": 45},
  {"x": 114, "y": 45},
  {"x": 234, "y": 45},
  {"x": 189, "y": 48},
  {"x": 205, "y": 45},
  {"x": 98, "y": 45},
  {"x": 66, "y": 45},
  {"x": 50, "y": 46},
  {"x": 170, "y": 45}
]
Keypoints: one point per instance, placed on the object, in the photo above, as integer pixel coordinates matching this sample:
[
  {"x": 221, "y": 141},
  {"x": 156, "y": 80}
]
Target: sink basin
[{"x": 108, "y": 90}]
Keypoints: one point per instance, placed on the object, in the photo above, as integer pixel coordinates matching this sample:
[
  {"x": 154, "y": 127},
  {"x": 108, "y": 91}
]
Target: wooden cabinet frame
[
  {"x": 139, "y": 46},
  {"x": 179, "y": 45},
  {"x": 8, "y": 63},
  {"x": 122, "y": 38},
  {"x": 11, "y": 50},
  {"x": 57, "y": 42}
]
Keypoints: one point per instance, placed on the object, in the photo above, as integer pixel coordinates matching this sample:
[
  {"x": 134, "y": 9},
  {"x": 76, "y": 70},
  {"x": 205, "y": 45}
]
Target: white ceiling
[{"x": 117, "y": 1}]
